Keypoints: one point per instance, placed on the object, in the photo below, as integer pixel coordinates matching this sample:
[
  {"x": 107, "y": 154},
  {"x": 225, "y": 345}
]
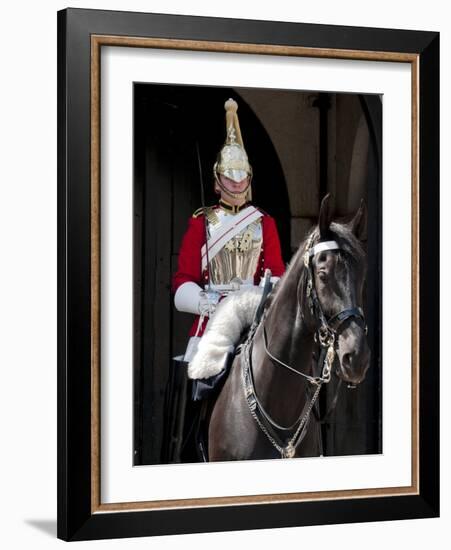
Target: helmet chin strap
[{"x": 240, "y": 195}]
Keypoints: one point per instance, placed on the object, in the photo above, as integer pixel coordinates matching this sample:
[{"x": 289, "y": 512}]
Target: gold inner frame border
[{"x": 97, "y": 41}]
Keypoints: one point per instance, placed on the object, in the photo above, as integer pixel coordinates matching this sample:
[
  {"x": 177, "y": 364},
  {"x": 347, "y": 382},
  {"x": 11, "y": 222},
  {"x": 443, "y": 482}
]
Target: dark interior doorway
[{"x": 170, "y": 122}]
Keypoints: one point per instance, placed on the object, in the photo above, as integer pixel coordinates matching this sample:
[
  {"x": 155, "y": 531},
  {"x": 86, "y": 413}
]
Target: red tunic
[{"x": 189, "y": 261}]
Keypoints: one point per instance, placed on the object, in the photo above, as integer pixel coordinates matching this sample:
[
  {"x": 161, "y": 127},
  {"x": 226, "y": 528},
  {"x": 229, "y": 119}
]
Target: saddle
[{"x": 203, "y": 388}]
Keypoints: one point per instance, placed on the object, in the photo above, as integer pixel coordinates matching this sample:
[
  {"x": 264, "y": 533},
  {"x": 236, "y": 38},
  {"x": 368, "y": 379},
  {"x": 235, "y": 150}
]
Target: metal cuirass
[{"x": 239, "y": 257}]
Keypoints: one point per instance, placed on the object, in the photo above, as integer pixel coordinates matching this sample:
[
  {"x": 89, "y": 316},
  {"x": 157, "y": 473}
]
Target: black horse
[{"x": 264, "y": 409}]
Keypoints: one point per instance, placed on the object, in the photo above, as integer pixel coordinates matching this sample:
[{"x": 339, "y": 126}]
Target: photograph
[{"x": 257, "y": 273}]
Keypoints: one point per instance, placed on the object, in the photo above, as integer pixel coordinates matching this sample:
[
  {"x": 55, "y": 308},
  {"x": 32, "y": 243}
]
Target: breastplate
[{"x": 239, "y": 256}]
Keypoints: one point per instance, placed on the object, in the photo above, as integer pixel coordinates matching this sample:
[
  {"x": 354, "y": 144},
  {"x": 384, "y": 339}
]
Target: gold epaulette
[
  {"x": 198, "y": 212},
  {"x": 208, "y": 212}
]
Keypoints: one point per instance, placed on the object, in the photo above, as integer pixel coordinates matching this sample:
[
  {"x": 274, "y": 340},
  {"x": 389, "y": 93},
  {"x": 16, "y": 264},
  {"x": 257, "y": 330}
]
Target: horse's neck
[
  {"x": 285, "y": 325},
  {"x": 291, "y": 342}
]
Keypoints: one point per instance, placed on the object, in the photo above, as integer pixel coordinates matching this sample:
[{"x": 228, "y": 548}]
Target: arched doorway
[{"x": 171, "y": 124}]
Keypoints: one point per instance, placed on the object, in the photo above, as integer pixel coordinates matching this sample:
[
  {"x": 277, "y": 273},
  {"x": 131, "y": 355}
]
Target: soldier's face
[{"x": 233, "y": 186}]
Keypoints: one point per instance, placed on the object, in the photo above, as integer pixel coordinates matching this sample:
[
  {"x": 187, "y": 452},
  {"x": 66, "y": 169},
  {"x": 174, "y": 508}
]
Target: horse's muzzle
[{"x": 354, "y": 363}]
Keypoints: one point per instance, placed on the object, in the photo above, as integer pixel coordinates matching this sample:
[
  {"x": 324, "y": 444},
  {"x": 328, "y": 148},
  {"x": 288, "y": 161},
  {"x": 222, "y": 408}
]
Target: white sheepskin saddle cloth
[{"x": 233, "y": 314}]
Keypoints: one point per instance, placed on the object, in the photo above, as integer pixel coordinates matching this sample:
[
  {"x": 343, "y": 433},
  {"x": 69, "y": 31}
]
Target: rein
[{"x": 326, "y": 335}]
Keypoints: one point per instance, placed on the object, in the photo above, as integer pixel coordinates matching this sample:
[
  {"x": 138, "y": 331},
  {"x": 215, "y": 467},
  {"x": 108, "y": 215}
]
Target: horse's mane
[{"x": 296, "y": 271}]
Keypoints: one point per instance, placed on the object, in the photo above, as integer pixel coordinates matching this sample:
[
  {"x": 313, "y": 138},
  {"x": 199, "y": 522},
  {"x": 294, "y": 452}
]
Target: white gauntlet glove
[{"x": 190, "y": 298}]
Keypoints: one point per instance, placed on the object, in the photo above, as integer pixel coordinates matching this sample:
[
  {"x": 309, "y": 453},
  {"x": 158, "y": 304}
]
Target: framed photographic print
[{"x": 248, "y": 274}]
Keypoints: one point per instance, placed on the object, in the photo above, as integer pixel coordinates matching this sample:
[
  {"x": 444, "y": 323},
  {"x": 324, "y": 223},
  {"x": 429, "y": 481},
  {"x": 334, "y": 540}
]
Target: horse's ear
[
  {"x": 325, "y": 217},
  {"x": 358, "y": 224}
]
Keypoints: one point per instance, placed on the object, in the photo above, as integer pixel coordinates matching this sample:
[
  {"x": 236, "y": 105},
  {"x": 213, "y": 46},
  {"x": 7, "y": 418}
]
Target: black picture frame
[{"x": 79, "y": 514}]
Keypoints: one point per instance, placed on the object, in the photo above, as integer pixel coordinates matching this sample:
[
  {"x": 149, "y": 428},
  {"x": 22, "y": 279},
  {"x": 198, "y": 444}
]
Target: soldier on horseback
[
  {"x": 316, "y": 312},
  {"x": 227, "y": 247}
]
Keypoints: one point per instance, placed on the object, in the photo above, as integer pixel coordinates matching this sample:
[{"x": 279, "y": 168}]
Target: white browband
[{"x": 321, "y": 247}]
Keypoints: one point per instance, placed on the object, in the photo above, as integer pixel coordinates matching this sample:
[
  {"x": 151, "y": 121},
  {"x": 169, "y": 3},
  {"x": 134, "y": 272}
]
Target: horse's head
[{"x": 337, "y": 269}]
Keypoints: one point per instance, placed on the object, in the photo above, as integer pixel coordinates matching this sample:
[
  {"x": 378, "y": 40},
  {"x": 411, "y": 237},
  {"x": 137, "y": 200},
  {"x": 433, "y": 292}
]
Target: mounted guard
[{"x": 225, "y": 251}]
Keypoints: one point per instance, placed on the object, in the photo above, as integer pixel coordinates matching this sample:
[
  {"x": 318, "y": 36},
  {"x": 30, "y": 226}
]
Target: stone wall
[{"x": 293, "y": 123}]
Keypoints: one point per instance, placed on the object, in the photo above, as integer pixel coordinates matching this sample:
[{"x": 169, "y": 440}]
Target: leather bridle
[{"x": 326, "y": 335}]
